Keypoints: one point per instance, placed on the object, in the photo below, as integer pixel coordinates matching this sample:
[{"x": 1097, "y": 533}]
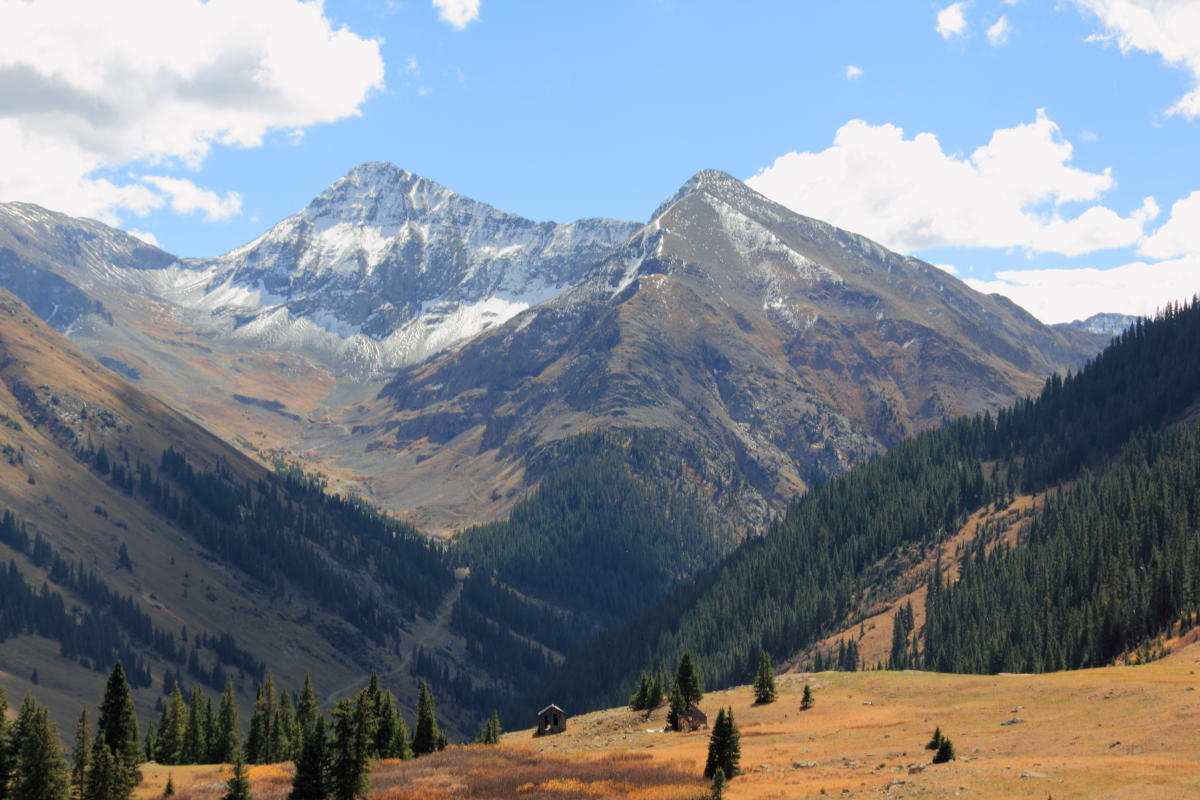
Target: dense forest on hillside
[
  {"x": 806, "y": 578},
  {"x": 593, "y": 546}
]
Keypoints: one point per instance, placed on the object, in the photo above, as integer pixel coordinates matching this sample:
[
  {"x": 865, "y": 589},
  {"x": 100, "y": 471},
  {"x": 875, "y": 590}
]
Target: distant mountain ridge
[
  {"x": 773, "y": 350},
  {"x": 1104, "y": 324}
]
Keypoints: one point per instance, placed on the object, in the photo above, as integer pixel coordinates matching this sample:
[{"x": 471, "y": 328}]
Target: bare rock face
[{"x": 774, "y": 350}]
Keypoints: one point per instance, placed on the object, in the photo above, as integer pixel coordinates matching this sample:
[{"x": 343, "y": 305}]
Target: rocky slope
[{"x": 774, "y": 350}]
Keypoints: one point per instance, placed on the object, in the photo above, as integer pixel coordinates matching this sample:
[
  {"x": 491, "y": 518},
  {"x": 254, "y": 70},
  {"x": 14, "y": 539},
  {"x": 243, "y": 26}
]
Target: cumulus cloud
[
  {"x": 1063, "y": 295},
  {"x": 1180, "y": 234},
  {"x": 1170, "y": 28},
  {"x": 145, "y": 236},
  {"x": 459, "y": 13},
  {"x": 853, "y": 72},
  {"x": 998, "y": 33},
  {"x": 186, "y": 197},
  {"x": 952, "y": 21},
  {"x": 90, "y": 88},
  {"x": 910, "y": 195}
]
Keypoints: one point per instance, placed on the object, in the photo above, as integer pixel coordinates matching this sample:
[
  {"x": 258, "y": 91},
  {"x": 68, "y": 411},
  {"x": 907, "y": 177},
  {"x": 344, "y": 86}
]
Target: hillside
[
  {"x": 1102, "y": 564},
  {"x": 162, "y": 545},
  {"x": 1113, "y": 732}
]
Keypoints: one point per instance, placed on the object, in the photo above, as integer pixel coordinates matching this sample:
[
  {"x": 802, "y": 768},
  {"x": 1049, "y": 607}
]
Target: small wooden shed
[
  {"x": 696, "y": 720},
  {"x": 551, "y": 719}
]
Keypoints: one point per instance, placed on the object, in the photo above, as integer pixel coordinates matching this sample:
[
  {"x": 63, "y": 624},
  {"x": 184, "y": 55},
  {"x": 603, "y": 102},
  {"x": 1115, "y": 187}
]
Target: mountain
[
  {"x": 1102, "y": 324},
  {"x": 771, "y": 350},
  {"x": 1059, "y": 533},
  {"x": 128, "y": 531}
]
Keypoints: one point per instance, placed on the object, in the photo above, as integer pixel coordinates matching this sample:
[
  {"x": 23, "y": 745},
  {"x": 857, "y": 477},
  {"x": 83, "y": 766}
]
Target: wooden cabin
[
  {"x": 695, "y": 720},
  {"x": 551, "y": 719}
]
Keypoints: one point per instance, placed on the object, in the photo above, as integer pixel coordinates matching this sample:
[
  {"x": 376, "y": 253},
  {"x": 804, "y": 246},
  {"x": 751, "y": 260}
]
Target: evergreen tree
[
  {"x": 764, "y": 680},
  {"x": 262, "y": 721},
  {"x": 391, "y": 735},
  {"x": 724, "y": 746},
  {"x": 678, "y": 708},
  {"x": 936, "y": 741},
  {"x": 945, "y": 751},
  {"x": 308, "y": 710},
  {"x": 226, "y": 739},
  {"x": 238, "y": 785},
  {"x": 351, "y": 750},
  {"x": 39, "y": 771},
  {"x": 687, "y": 678},
  {"x": 640, "y": 699},
  {"x": 718, "y": 785},
  {"x": 5, "y": 757},
  {"x": 311, "y": 781},
  {"x": 194, "y": 749},
  {"x": 104, "y": 776},
  {"x": 81, "y": 754},
  {"x": 657, "y": 693},
  {"x": 806, "y": 699},
  {"x": 149, "y": 743},
  {"x": 117, "y": 725},
  {"x": 169, "y": 789},
  {"x": 283, "y": 730},
  {"x": 490, "y": 732},
  {"x": 427, "y": 738},
  {"x": 172, "y": 729}
]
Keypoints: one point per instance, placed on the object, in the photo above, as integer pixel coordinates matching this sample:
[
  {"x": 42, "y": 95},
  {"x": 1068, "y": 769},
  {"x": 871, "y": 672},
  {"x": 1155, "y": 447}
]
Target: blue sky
[{"x": 1046, "y": 126}]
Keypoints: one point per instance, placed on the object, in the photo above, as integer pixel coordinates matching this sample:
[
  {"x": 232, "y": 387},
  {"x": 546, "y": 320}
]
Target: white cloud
[
  {"x": 188, "y": 198},
  {"x": 947, "y": 268},
  {"x": 459, "y": 13},
  {"x": 1063, "y": 295},
  {"x": 91, "y": 87},
  {"x": 412, "y": 67},
  {"x": 910, "y": 195},
  {"x": 145, "y": 236},
  {"x": 951, "y": 21},
  {"x": 1170, "y": 28},
  {"x": 1180, "y": 234},
  {"x": 853, "y": 72},
  {"x": 998, "y": 33}
]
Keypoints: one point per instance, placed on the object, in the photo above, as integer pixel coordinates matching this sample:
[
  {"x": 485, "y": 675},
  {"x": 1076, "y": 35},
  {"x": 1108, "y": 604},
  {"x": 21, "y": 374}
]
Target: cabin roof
[{"x": 551, "y": 706}]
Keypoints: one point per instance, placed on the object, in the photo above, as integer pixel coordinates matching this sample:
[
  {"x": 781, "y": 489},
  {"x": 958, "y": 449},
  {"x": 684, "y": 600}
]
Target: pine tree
[
  {"x": 640, "y": 699},
  {"x": 117, "y": 725},
  {"x": 308, "y": 709},
  {"x": 764, "y": 681},
  {"x": 718, "y": 785},
  {"x": 657, "y": 692},
  {"x": 81, "y": 754},
  {"x": 172, "y": 729},
  {"x": 724, "y": 746},
  {"x": 311, "y": 779},
  {"x": 104, "y": 778},
  {"x": 5, "y": 758},
  {"x": 194, "y": 749},
  {"x": 935, "y": 741},
  {"x": 39, "y": 771},
  {"x": 351, "y": 749},
  {"x": 169, "y": 789},
  {"x": 490, "y": 732},
  {"x": 283, "y": 730},
  {"x": 945, "y": 751},
  {"x": 687, "y": 678},
  {"x": 391, "y": 735},
  {"x": 262, "y": 720},
  {"x": 678, "y": 708},
  {"x": 238, "y": 785},
  {"x": 226, "y": 739},
  {"x": 806, "y": 699},
  {"x": 427, "y": 738},
  {"x": 149, "y": 743}
]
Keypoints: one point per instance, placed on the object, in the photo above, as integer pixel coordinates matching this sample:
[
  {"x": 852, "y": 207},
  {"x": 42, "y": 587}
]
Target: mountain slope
[
  {"x": 169, "y": 548},
  {"x": 1118, "y": 547},
  {"x": 773, "y": 351}
]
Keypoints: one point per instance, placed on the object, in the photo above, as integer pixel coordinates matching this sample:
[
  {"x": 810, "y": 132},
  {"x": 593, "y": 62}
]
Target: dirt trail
[{"x": 425, "y": 631}]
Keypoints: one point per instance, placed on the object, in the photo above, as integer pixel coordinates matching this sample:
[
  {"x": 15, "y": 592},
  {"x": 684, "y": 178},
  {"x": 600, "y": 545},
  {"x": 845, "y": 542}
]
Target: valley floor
[{"x": 1116, "y": 732}]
